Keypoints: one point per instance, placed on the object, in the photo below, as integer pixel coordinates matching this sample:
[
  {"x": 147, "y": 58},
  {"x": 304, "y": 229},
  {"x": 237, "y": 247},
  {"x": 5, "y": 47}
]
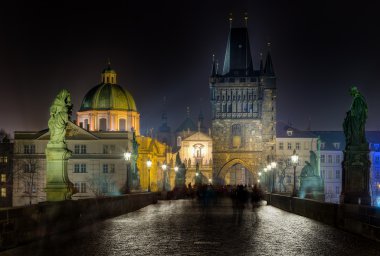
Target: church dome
[{"x": 108, "y": 95}]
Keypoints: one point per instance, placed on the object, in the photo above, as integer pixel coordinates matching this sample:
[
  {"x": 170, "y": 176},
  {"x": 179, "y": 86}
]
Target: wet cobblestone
[{"x": 184, "y": 228}]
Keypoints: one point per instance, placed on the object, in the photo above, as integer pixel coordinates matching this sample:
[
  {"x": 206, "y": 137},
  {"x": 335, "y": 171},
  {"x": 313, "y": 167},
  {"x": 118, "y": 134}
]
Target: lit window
[
  {"x": 281, "y": 146},
  {"x": 3, "y": 192},
  {"x": 3, "y": 178},
  {"x": 3, "y": 159}
]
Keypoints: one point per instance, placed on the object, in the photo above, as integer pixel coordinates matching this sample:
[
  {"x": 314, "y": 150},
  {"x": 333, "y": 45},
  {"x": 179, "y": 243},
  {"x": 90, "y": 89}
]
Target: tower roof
[
  {"x": 268, "y": 69},
  {"x": 238, "y": 59}
]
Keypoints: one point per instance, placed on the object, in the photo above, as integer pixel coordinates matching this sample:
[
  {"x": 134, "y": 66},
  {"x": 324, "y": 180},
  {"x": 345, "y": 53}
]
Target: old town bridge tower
[{"x": 243, "y": 102}]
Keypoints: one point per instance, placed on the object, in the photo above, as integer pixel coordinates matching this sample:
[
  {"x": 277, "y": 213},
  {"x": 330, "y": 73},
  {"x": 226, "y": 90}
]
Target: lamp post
[
  {"x": 164, "y": 166},
  {"x": 273, "y": 165},
  {"x": 127, "y": 158},
  {"x": 269, "y": 168},
  {"x": 265, "y": 182},
  {"x": 148, "y": 164},
  {"x": 294, "y": 159}
]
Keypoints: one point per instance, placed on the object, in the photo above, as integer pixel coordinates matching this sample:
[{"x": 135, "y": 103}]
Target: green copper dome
[{"x": 107, "y": 96}]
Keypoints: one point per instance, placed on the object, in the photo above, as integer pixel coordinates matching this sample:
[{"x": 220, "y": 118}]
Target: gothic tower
[{"x": 243, "y": 104}]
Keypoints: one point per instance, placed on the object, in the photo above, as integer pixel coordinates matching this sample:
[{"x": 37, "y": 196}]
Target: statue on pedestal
[
  {"x": 311, "y": 182},
  {"x": 356, "y": 164},
  {"x": 58, "y": 186}
]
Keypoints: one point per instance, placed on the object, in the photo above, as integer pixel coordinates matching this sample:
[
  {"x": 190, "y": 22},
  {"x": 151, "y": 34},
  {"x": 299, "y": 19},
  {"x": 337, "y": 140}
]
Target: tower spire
[
  {"x": 188, "y": 111},
  {"x": 268, "y": 69},
  {"x": 261, "y": 63},
  {"x": 246, "y": 19},
  {"x": 230, "y": 19},
  {"x": 214, "y": 69}
]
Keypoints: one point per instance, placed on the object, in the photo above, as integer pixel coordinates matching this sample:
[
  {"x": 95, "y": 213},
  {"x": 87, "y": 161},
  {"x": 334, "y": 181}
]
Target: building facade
[
  {"x": 243, "y": 102},
  {"x": 6, "y": 166}
]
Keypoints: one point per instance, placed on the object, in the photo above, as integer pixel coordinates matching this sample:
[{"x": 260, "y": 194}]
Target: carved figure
[
  {"x": 60, "y": 112},
  {"x": 310, "y": 168},
  {"x": 354, "y": 123}
]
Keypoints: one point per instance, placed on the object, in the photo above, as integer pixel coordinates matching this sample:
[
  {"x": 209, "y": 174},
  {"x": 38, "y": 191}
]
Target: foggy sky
[{"x": 164, "y": 48}]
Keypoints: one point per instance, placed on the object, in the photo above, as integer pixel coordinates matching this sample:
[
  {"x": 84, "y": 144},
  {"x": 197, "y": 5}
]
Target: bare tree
[
  {"x": 100, "y": 184},
  {"x": 26, "y": 172},
  {"x": 283, "y": 165}
]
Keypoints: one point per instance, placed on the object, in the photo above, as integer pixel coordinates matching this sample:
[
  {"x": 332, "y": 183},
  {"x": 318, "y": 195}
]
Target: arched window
[
  {"x": 102, "y": 124},
  {"x": 122, "y": 123}
]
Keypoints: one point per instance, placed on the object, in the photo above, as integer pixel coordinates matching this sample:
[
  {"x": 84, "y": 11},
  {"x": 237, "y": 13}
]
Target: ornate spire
[
  {"x": 108, "y": 74},
  {"x": 268, "y": 69},
  {"x": 261, "y": 64},
  {"x": 188, "y": 112}
]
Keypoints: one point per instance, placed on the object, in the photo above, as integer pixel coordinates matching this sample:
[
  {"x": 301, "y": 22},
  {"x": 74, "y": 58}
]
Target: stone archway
[{"x": 221, "y": 175}]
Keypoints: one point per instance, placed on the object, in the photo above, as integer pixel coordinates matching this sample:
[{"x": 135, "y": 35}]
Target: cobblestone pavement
[{"x": 184, "y": 228}]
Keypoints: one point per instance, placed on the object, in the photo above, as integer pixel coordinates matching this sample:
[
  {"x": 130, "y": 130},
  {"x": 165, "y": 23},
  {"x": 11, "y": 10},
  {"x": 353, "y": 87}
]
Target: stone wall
[
  {"x": 360, "y": 219},
  {"x": 24, "y": 224}
]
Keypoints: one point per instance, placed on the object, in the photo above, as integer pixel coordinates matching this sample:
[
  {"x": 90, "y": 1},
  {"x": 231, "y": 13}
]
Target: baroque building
[
  {"x": 107, "y": 127},
  {"x": 243, "y": 102}
]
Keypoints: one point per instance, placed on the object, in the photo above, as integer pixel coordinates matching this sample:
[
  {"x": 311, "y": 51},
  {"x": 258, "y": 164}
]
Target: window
[
  {"x": 3, "y": 159},
  {"x": 323, "y": 145},
  {"x": 329, "y": 159},
  {"x": 29, "y": 149},
  {"x": 83, "y": 187},
  {"x": 337, "y": 174},
  {"x": 289, "y": 132},
  {"x": 298, "y": 146},
  {"x": 105, "y": 168},
  {"x": 80, "y": 168},
  {"x": 80, "y": 149},
  {"x": 337, "y": 190},
  {"x": 77, "y": 186},
  {"x": 336, "y": 145},
  {"x": 108, "y": 149},
  {"x": 3, "y": 192},
  {"x": 337, "y": 159},
  {"x": 112, "y": 168},
  {"x": 3, "y": 177},
  {"x": 322, "y": 158},
  {"x": 330, "y": 174},
  {"x": 289, "y": 145},
  {"x": 281, "y": 146}
]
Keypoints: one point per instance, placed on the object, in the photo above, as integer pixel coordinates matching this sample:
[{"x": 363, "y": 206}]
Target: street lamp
[
  {"x": 176, "y": 169},
  {"x": 273, "y": 166},
  {"x": 127, "y": 158},
  {"x": 164, "y": 166},
  {"x": 294, "y": 159},
  {"x": 148, "y": 164}
]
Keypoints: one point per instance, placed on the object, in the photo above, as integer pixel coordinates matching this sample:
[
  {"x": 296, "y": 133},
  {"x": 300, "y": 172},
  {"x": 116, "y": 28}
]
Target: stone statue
[
  {"x": 310, "y": 168},
  {"x": 60, "y": 112},
  {"x": 354, "y": 123}
]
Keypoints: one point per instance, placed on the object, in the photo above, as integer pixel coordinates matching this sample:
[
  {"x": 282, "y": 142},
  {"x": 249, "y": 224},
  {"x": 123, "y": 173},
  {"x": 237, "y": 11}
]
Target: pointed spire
[
  {"x": 230, "y": 19},
  {"x": 188, "y": 112},
  {"x": 213, "y": 71},
  {"x": 261, "y": 64},
  {"x": 246, "y": 19},
  {"x": 217, "y": 67},
  {"x": 268, "y": 69}
]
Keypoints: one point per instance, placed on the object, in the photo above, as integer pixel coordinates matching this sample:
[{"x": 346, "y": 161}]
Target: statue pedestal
[
  {"x": 356, "y": 173},
  {"x": 58, "y": 186}
]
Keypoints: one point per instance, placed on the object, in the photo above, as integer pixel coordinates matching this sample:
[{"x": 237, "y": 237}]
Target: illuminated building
[
  {"x": 6, "y": 156},
  {"x": 103, "y": 132},
  {"x": 243, "y": 102}
]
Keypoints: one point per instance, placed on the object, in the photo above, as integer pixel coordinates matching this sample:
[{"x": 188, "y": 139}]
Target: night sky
[{"x": 164, "y": 48}]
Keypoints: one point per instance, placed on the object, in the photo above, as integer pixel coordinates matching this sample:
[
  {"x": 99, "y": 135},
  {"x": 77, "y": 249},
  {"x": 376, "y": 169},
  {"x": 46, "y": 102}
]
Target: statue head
[{"x": 354, "y": 91}]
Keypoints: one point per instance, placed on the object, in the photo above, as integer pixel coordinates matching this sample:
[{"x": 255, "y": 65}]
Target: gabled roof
[
  {"x": 198, "y": 136},
  {"x": 284, "y": 130}
]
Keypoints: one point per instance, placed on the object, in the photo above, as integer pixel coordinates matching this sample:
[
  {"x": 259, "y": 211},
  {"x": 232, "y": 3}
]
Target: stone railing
[
  {"x": 24, "y": 224},
  {"x": 360, "y": 219}
]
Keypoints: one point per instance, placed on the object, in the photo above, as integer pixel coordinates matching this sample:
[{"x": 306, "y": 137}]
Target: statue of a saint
[
  {"x": 354, "y": 123},
  {"x": 60, "y": 112},
  {"x": 310, "y": 168}
]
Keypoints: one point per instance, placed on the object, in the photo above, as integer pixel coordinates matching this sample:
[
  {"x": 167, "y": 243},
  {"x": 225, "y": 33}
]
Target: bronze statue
[
  {"x": 354, "y": 123},
  {"x": 60, "y": 112},
  {"x": 310, "y": 168}
]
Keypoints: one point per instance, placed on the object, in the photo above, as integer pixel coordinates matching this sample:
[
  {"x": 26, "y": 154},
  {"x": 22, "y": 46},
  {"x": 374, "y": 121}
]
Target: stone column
[{"x": 58, "y": 186}]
